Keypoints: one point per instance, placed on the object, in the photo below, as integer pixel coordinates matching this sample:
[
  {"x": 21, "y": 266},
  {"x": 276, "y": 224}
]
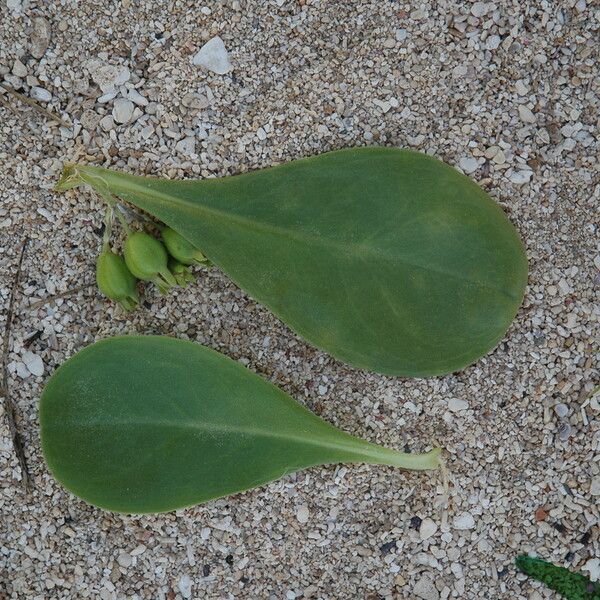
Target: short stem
[
  {"x": 108, "y": 222},
  {"x": 406, "y": 460},
  {"x": 123, "y": 221}
]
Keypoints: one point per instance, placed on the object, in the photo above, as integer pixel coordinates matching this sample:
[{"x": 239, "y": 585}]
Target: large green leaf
[
  {"x": 388, "y": 259},
  {"x": 149, "y": 424}
]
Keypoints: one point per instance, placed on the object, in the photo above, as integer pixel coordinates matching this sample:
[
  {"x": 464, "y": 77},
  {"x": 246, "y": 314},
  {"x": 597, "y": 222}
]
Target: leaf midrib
[
  {"x": 307, "y": 238},
  {"x": 355, "y": 446}
]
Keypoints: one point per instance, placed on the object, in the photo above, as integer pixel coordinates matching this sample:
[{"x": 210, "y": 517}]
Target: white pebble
[
  {"x": 592, "y": 566},
  {"x": 595, "y": 487},
  {"x": 261, "y": 134},
  {"x": 492, "y": 42},
  {"x": 205, "y": 533},
  {"x": 468, "y": 164},
  {"x": 425, "y": 589},
  {"x": 427, "y": 529},
  {"x": 185, "y": 586},
  {"x": 124, "y": 559},
  {"x": 401, "y": 35},
  {"x": 122, "y": 110},
  {"x": 520, "y": 177},
  {"x": 521, "y": 88},
  {"x": 137, "y": 98},
  {"x": 479, "y": 9},
  {"x": 19, "y": 69},
  {"x": 14, "y": 6},
  {"x": 526, "y": 115},
  {"x": 561, "y": 410},
  {"x": 213, "y": 56},
  {"x": 107, "y": 123},
  {"x": 34, "y": 363},
  {"x": 456, "y": 404},
  {"x": 302, "y": 514},
  {"x": 186, "y": 146},
  {"x": 464, "y": 521},
  {"x": 40, "y": 94},
  {"x": 109, "y": 77}
]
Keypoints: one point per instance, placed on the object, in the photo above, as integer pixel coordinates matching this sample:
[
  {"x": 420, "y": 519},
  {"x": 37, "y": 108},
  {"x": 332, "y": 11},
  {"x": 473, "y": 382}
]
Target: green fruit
[
  {"x": 180, "y": 249},
  {"x": 147, "y": 259},
  {"x": 115, "y": 280},
  {"x": 182, "y": 274}
]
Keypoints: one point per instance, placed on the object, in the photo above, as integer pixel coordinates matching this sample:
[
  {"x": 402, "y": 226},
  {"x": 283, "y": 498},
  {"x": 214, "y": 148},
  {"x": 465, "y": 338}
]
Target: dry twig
[
  {"x": 36, "y": 106},
  {"x": 9, "y": 405},
  {"x": 64, "y": 294}
]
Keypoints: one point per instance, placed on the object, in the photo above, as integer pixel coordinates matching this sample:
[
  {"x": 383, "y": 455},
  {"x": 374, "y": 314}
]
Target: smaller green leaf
[{"x": 151, "y": 424}]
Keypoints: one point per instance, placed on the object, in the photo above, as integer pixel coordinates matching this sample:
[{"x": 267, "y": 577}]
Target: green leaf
[
  {"x": 388, "y": 259},
  {"x": 150, "y": 424}
]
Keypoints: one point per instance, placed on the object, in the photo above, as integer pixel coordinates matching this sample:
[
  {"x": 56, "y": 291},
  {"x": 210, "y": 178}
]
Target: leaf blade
[
  {"x": 388, "y": 259},
  {"x": 148, "y": 424}
]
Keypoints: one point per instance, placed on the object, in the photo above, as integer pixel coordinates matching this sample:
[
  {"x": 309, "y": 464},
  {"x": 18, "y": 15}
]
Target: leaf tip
[{"x": 70, "y": 178}]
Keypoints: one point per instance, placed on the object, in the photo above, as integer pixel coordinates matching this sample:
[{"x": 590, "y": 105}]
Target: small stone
[
  {"x": 261, "y": 134},
  {"x": 137, "y": 98},
  {"x": 213, "y": 56},
  {"x": 389, "y": 43},
  {"x": 592, "y": 566},
  {"x": 109, "y": 77},
  {"x": 468, "y": 164},
  {"x": 500, "y": 157},
  {"x": 456, "y": 404},
  {"x": 595, "y": 486},
  {"x": 541, "y": 514},
  {"x": 571, "y": 321},
  {"x": 19, "y": 69},
  {"x": 197, "y": 101},
  {"x": 34, "y": 363},
  {"x": 459, "y": 71},
  {"x": 125, "y": 559},
  {"x": 15, "y": 6},
  {"x": 302, "y": 514},
  {"x": 493, "y": 42},
  {"x": 40, "y": 94},
  {"x": 521, "y": 88},
  {"x": 479, "y": 9},
  {"x": 581, "y": 6},
  {"x": 427, "y": 529},
  {"x": 564, "y": 432},
  {"x": 564, "y": 287},
  {"x": 520, "y": 177},
  {"x": 89, "y": 120},
  {"x": 425, "y": 589},
  {"x": 185, "y": 586},
  {"x": 401, "y": 35},
  {"x": 205, "y": 533},
  {"x": 464, "y": 521},
  {"x": 122, "y": 110},
  {"x": 526, "y": 115},
  {"x": 561, "y": 410},
  {"x": 40, "y": 37},
  {"x": 186, "y": 146},
  {"x": 107, "y": 123}
]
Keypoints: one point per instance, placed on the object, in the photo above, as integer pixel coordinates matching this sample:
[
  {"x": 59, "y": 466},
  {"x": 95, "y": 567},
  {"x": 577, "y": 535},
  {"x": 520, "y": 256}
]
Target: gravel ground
[{"x": 505, "y": 92}]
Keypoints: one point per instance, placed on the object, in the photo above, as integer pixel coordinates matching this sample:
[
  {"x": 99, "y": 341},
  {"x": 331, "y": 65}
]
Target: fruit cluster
[{"x": 146, "y": 258}]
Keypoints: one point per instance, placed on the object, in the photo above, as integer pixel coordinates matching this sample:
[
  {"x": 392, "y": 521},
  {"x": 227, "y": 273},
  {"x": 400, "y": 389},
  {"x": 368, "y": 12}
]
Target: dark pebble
[{"x": 387, "y": 547}]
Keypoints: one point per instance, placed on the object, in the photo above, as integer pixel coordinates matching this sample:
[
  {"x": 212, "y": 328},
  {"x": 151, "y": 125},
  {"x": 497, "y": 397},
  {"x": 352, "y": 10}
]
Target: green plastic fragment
[{"x": 572, "y": 586}]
